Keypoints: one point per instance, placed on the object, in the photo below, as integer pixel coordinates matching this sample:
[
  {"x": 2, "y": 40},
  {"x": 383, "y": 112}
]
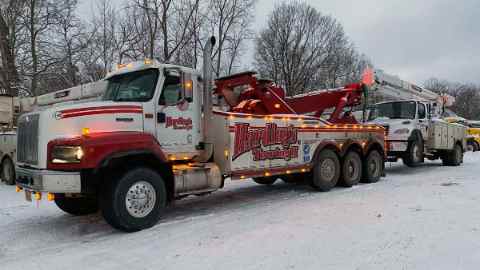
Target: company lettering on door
[{"x": 179, "y": 123}]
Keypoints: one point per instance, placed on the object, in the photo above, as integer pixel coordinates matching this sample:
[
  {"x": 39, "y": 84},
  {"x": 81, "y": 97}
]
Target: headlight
[
  {"x": 67, "y": 154},
  {"x": 402, "y": 131}
]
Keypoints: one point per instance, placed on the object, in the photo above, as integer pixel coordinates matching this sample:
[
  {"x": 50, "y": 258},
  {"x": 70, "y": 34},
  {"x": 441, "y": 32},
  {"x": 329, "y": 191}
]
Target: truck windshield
[
  {"x": 394, "y": 110},
  {"x": 134, "y": 87}
]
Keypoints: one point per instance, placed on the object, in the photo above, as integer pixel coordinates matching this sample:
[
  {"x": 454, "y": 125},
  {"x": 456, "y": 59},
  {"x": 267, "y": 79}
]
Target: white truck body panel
[{"x": 443, "y": 135}]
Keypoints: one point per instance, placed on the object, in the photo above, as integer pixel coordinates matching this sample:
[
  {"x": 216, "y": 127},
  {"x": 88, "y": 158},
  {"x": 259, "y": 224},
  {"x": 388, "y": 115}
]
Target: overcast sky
[{"x": 415, "y": 39}]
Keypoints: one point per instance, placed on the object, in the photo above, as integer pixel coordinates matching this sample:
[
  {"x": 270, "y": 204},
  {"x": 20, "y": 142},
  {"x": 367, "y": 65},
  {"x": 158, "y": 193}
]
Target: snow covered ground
[{"x": 423, "y": 218}]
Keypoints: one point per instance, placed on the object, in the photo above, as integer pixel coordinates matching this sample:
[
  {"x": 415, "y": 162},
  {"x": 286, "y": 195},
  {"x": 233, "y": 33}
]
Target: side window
[
  {"x": 172, "y": 91},
  {"x": 422, "y": 112},
  {"x": 177, "y": 87}
]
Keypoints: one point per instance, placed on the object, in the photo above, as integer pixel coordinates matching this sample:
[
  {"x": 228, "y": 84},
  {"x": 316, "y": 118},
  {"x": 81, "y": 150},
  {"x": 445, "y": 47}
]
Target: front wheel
[
  {"x": 77, "y": 206},
  {"x": 414, "y": 155},
  {"x": 134, "y": 201}
]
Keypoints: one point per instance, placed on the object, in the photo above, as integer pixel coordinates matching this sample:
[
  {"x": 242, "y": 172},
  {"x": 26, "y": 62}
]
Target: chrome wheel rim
[
  {"x": 327, "y": 170},
  {"x": 140, "y": 199}
]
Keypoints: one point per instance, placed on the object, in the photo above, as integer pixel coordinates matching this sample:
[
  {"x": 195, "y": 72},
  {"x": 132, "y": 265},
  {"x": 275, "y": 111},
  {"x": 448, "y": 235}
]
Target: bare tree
[
  {"x": 10, "y": 12},
  {"x": 230, "y": 21},
  {"x": 467, "y": 96},
  {"x": 302, "y": 49},
  {"x": 37, "y": 19},
  {"x": 70, "y": 40}
]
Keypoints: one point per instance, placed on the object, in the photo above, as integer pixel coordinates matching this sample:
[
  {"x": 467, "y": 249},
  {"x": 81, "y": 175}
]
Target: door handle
[{"x": 161, "y": 117}]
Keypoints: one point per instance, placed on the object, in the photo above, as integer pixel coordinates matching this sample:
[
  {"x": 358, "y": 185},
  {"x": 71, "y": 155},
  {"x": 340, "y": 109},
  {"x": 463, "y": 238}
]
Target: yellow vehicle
[{"x": 473, "y": 131}]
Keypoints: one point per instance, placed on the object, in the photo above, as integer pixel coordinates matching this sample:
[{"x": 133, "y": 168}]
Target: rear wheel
[
  {"x": 476, "y": 146},
  {"x": 326, "y": 171},
  {"x": 8, "y": 171},
  {"x": 454, "y": 157},
  {"x": 268, "y": 181},
  {"x": 77, "y": 206},
  {"x": 414, "y": 155},
  {"x": 134, "y": 201},
  {"x": 372, "y": 167},
  {"x": 351, "y": 169},
  {"x": 472, "y": 146}
]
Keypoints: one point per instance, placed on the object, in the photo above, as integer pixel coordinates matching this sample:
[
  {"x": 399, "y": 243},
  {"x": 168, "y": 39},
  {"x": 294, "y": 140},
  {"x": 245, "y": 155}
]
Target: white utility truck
[
  {"x": 12, "y": 107},
  {"x": 155, "y": 137},
  {"x": 413, "y": 120}
]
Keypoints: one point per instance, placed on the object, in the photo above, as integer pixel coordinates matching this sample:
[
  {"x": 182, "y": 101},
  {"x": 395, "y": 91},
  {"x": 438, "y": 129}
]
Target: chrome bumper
[
  {"x": 397, "y": 146},
  {"x": 49, "y": 181}
]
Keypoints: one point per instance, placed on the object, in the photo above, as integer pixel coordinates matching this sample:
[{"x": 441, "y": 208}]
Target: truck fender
[
  {"x": 327, "y": 144},
  {"x": 349, "y": 145},
  {"x": 101, "y": 147},
  {"x": 416, "y": 134}
]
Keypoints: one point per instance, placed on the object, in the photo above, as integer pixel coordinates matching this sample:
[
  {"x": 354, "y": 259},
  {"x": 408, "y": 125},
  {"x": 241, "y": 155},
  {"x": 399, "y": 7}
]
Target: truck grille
[{"x": 27, "y": 139}]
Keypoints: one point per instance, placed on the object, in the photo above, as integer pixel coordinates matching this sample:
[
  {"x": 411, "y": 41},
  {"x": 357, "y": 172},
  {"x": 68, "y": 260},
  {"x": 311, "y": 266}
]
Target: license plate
[{"x": 28, "y": 195}]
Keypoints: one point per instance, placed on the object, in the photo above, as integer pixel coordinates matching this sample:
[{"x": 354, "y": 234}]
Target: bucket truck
[
  {"x": 156, "y": 136},
  {"x": 413, "y": 120}
]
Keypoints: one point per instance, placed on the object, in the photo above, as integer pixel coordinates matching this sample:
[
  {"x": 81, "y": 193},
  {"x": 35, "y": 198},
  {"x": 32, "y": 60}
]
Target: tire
[
  {"x": 351, "y": 169},
  {"x": 471, "y": 146},
  {"x": 120, "y": 203},
  {"x": 454, "y": 157},
  {"x": 414, "y": 155},
  {"x": 476, "y": 147},
  {"x": 267, "y": 181},
  {"x": 373, "y": 167},
  {"x": 77, "y": 206},
  {"x": 326, "y": 171},
  {"x": 8, "y": 171}
]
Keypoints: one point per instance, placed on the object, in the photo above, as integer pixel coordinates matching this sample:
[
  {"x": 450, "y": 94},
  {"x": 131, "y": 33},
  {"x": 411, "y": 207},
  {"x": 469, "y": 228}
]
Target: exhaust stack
[{"x": 207, "y": 98}]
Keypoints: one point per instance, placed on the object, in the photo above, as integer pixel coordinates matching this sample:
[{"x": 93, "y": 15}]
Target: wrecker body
[{"x": 156, "y": 136}]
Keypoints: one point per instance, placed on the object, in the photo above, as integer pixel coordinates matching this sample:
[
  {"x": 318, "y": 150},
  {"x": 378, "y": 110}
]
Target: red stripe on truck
[{"x": 100, "y": 110}]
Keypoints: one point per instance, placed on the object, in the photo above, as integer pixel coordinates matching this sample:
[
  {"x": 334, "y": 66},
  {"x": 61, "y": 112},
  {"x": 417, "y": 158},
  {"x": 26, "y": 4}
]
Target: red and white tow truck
[{"x": 156, "y": 137}]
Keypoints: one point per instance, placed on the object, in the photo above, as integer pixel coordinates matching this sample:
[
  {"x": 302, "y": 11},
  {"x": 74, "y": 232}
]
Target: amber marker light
[
  {"x": 85, "y": 131},
  {"x": 50, "y": 197},
  {"x": 267, "y": 174},
  {"x": 18, "y": 189},
  {"x": 38, "y": 196},
  {"x": 277, "y": 106}
]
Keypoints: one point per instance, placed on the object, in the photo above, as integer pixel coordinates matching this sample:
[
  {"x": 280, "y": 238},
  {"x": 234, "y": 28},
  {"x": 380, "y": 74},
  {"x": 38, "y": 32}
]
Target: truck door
[
  {"x": 177, "y": 111},
  {"x": 423, "y": 122}
]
